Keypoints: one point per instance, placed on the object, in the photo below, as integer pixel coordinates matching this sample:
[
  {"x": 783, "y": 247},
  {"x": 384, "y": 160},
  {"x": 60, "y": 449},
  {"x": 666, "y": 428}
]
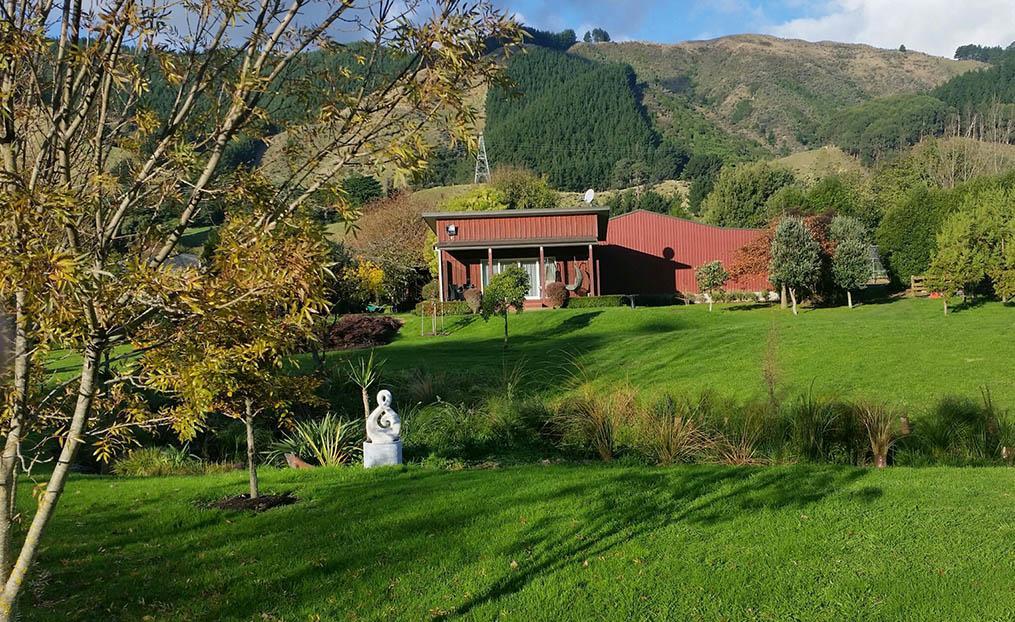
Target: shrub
[
  {"x": 962, "y": 431},
  {"x": 556, "y": 294},
  {"x": 593, "y": 302},
  {"x": 430, "y": 291},
  {"x": 446, "y": 430},
  {"x": 362, "y": 331},
  {"x": 330, "y": 441},
  {"x": 474, "y": 300},
  {"x": 456, "y": 307},
  {"x": 163, "y": 461}
]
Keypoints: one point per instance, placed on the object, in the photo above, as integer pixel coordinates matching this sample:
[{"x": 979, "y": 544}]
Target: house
[{"x": 636, "y": 253}]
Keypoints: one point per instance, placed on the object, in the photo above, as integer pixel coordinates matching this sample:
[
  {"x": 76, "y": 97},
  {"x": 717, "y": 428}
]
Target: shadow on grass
[{"x": 366, "y": 531}]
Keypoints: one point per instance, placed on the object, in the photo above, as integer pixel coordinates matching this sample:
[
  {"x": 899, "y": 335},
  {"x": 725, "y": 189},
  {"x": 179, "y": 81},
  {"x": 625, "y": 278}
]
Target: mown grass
[
  {"x": 576, "y": 542},
  {"x": 905, "y": 352}
]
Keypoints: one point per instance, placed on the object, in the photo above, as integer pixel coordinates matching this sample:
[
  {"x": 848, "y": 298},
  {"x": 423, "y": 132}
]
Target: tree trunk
[
  {"x": 782, "y": 298},
  {"x": 881, "y": 461},
  {"x": 364, "y": 393},
  {"x": 57, "y": 481},
  {"x": 849, "y": 298},
  {"x": 251, "y": 453},
  {"x": 505, "y": 330},
  {"x": 8, "y": 460},
  {"x": 792, "y": 295},
  {"x": 944, "y": 299},
  {"x": 709, "y": 303}
]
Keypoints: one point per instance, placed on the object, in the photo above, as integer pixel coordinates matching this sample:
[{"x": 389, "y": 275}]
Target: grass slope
[
  {"x": 564, "y": 543},
  {"x": 904, "y": 351}
]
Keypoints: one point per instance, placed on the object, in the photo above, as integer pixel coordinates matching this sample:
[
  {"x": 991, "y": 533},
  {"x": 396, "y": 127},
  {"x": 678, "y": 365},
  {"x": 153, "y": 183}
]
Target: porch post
[
  {"x": 489, "y": 263},
  {"x": 440, "y": 273},
  {"x": 541, "y": 273},
  {"x": 592, "y": 276}
]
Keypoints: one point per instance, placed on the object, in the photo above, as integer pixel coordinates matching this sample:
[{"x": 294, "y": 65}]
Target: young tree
[
  {"x": 958, "y": 265},
  {"x": 113, "y": 135},
  {"x": 741, "y": 193},
  {"x": 259, "y": 302},
  {"x": 851, "y": 260},
  {"x": 711, "y": 277},
  {"x": 505, "y": 290},
  {"x": 796, "y": 260}
]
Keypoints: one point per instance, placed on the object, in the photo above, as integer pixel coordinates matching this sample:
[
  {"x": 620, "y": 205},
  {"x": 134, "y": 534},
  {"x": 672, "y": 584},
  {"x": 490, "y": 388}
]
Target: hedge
[
  {"x": 592, "y": 302},
  {"x": 456, "y": 307}
]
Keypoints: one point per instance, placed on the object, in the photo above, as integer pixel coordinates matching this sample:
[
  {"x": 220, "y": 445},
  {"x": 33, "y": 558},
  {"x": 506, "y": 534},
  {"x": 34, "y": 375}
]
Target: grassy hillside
[
  {"x": 904, "y": 351},
  {"x": 540, "y": 542},
  {"x": 774, "y": 92},
  {"x": 814, "y": 164}
]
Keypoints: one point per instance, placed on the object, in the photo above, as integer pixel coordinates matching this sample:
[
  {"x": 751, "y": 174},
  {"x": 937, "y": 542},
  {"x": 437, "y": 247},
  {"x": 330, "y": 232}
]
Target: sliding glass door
[{"x": 530, "y": 266}]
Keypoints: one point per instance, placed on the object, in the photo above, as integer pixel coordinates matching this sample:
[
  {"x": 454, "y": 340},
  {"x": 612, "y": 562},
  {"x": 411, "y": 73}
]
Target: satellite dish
[{"x": 590, "y": 195}]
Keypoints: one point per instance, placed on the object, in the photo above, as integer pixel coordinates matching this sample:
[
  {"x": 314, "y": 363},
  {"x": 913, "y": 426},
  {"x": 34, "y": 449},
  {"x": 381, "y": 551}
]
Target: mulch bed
[{"x": 260, "y": 504}]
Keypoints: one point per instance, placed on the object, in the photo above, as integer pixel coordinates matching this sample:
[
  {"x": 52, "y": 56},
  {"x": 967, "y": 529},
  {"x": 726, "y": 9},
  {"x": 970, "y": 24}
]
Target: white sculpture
[{"x": 383, "y": 445}]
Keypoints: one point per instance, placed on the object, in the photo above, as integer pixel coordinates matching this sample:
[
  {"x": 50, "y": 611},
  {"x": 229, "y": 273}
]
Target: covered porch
[
  {"x": 551, "y": 245},
  {"x": 573, "y": 265}
]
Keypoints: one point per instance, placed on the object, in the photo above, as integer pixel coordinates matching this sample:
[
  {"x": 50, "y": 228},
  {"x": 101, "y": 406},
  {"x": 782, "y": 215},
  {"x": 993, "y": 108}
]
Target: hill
[
  {"x": 814, "y": 164},
  {"x": 764, "y": 92}
]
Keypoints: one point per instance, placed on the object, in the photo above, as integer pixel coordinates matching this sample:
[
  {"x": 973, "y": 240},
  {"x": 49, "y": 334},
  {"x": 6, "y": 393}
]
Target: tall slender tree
[{"x": 98, "y": 185}]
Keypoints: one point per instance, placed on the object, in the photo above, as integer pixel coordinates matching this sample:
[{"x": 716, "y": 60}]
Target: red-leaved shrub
[
  {"x": 362, "y": 331},
  {"x": 556, "y": 294}
]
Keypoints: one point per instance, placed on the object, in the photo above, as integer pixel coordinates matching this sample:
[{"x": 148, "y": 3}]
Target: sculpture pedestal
[{"x": 382, "y": 454}]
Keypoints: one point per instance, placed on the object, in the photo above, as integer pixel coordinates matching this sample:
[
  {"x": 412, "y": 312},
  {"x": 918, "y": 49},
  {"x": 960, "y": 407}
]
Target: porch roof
[{"x": 463, "y": 245}]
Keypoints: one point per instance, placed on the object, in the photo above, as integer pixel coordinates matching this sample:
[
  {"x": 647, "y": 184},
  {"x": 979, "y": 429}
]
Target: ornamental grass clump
[
  {"x": 671, "y": 431},
  {"x": 592, "y": 421},
  {"x": 329, "y": 441},
  {"x": 883, "y": 426}
]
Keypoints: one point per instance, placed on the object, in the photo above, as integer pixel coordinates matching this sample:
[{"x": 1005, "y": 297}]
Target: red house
[{"x": 636, "y": 253}]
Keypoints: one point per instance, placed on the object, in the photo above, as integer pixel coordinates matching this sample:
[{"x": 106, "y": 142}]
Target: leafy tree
[
  {"x": 361, "y": 189},
  {"x": 851, "y": 263},
  {"x": 600, "y": 36},
  {"x": 796, "y": 260},
  {"x": 391, "y": 234},
  {"x": 982, "y": 53},
  {"x": 741, "y": 193},
  {"x": 958, "y": 265},
  {"x": 504, "y": 291},
  {"x": 72, "y": 277},
  {"x": 880, "y": 127},
  {"x": 562, "y": 40},
  {"x": 523, "y": 189},
  {"x": 711, "y": 277},
  {"x": 261, "y": 303}
]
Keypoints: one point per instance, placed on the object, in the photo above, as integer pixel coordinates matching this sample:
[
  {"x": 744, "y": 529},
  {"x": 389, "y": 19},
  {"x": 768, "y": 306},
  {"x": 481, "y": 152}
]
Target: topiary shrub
[
  {"x": 362, "y": 331},
  {"x": 556, "y": 295},
  {"x": 473, "y": 298}
]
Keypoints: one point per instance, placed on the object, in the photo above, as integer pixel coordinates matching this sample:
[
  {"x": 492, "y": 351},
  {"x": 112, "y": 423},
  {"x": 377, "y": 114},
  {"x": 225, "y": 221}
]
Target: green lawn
[
  {"x": 538, "y": 543},
  {"x": 904, "y": 351}
]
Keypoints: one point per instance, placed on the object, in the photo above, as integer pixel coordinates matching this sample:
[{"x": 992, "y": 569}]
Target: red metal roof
[{"x": 528, "y": 227}]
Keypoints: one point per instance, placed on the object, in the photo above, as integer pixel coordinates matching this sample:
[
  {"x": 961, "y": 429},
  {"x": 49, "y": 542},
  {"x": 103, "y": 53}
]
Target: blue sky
[{"x": 933, "y": 26}]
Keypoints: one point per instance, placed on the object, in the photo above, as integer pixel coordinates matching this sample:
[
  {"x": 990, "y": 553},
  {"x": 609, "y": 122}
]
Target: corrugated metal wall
[
  {"x": 519, "y": 228},
  {"x": 657, "y": 254}
]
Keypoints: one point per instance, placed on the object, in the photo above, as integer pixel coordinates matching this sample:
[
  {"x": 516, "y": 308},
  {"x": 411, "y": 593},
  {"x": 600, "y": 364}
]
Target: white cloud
[{"x": 932, "y": 26}]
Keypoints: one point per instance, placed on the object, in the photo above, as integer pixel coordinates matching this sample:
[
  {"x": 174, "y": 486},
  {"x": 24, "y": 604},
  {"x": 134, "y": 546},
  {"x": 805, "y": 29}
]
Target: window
[{"x": 530, "y": 266}]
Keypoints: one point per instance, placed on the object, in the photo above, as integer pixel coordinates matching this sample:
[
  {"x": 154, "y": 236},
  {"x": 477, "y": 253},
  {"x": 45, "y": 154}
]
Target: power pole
[{"x": 482, "y": 163}]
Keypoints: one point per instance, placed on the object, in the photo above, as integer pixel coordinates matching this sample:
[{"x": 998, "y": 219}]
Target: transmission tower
[{"x": 482, "y": 163}]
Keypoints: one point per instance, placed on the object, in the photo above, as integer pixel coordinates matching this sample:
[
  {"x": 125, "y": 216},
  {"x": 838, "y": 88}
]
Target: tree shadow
[{"x": 382, "y": 525}]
